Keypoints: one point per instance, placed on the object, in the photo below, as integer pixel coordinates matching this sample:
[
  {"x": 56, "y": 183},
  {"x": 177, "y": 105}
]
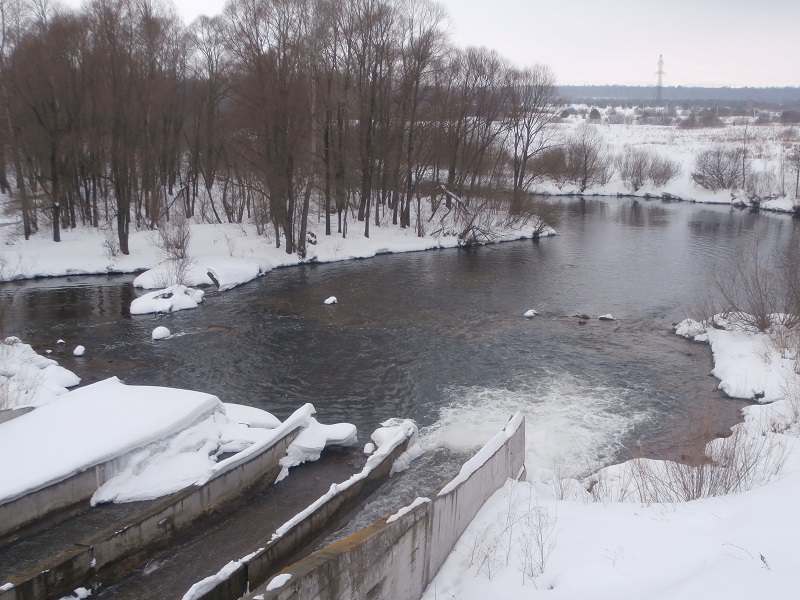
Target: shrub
[
  {"x": 718, "y": 168},
  {"x": 173, "y": 238},
  {"x": 662, "y": 170},
  {"x": 633, "y": 166}
]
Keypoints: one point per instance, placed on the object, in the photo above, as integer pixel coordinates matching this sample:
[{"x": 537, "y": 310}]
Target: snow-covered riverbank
[
  {"x": 767, "y": 168},
  {"x": 627, "y": 537}
]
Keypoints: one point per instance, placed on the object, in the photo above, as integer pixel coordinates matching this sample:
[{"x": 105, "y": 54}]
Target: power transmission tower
[{"x": 660, "y": 84}]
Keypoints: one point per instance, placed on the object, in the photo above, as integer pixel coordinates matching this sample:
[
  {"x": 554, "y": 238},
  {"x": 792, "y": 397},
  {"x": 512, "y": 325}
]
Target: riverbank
[
  {"x": 630, "y": 530},
  {"x": 222, "y": 247},
  {"x": 769, "y": 174}
]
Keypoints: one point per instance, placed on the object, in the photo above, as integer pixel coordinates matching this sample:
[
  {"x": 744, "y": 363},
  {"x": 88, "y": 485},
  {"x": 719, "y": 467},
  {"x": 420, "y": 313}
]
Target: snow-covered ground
[
  {"x": 766, "y": 144},
  {"x": 552, "y": 538}
]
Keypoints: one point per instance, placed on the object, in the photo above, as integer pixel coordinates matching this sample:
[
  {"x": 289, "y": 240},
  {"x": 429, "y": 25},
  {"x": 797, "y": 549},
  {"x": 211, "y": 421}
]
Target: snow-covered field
[
  {"x": 552, "y": 538},
  {"x": 768, "y": 145}
]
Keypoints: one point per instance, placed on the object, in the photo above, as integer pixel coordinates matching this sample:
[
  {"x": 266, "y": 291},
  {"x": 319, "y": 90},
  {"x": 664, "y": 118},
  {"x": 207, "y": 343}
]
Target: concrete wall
[
  {"x": 18, "y": 513},
  {"x": 397, "y": 561},
  {"x": 278, "y": 553},
  {"x": 156, "y": 524}
]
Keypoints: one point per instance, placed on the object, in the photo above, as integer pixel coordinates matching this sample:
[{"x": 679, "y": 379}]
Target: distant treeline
[{"x": 645, "y": 95}]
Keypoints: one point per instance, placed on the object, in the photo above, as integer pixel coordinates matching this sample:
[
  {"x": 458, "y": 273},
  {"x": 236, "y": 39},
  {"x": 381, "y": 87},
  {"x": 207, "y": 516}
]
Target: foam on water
[{"x": 568, "y": 421}]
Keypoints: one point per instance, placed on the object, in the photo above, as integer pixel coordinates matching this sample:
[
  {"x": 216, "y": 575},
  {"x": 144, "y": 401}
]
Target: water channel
[{"x": 439, "y": 337}]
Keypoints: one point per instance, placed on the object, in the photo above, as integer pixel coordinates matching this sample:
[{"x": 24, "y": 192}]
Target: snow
[
  {"x": 278, "y": 581},
  {"x": 80, "y": 592},
  {"x": 167, "y": 300},
  {"x": 607, "y": 317},
  {"x": 189, "y": 457},
  {"x": 252, "y": 416},
  {"x": 683, "y": 146},
  {"x": 388, "y": 437},
  {"x": 309, "y": 444},
  {"x": 369, "y": 448},
  {"x": 6, "y": 586},
  {"x": 232, "y": 272},
  {"x": 28, "y": 379},
  {"x": 407, "y": 509},
  {"x": 160, "y": 333},
  {"x": 529, "y": 314},
  {"x": 484, "y": 454},
  {"x": 79, "y": 350},
  {"x": 553, "y": 538},
  {"x": 202, "y": 587},
  {"x": 331, "y": 300},
  {"x": 90, "y": 426}
]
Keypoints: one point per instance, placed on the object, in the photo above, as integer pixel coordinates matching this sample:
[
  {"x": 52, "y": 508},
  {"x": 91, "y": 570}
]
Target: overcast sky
[{"x": 704, "y": 42}]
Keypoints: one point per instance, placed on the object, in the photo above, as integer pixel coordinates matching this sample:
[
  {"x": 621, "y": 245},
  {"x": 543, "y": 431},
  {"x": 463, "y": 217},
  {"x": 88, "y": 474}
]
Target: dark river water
[{"x": 439, "y": 336}]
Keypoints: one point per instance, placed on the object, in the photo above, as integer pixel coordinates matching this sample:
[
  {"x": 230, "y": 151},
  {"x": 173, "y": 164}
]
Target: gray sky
[{"x": 704, "y": 42}]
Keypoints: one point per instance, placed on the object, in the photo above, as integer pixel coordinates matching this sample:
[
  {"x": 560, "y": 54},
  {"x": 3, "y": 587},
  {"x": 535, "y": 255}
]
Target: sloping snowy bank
[
  {"x": 28, "y": 379},
  {"x": 232, "y": 253},
  {"x": 526, "y": 542}
]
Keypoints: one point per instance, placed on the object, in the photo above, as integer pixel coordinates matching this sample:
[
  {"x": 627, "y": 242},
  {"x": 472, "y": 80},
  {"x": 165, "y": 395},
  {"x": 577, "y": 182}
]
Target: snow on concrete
[
  {"x": 90, "y": 426},
  {"x": 28, "y": 379},
  {"x": 202, "y": 587},
  {"x": 160, "y": 333},
  {"x": 191, "y": 456},
  {"x": 407, "y": 509},
  {"x": 529, "y": 542},
  {"x": 167, "y": 300},
  {"x": 315, "y": 437},
  {"x": 252, "y": 416},
  {"x": 278, "y": 581},
  {"x": 388, "y": 437},
  {"x": 484, "y": 454}
]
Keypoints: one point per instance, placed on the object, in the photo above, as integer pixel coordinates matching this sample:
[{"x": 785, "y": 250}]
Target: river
[{"x": 439, "y": 336}]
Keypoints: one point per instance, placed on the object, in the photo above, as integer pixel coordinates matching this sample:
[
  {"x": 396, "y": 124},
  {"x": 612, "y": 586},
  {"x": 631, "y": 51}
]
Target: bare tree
[
  {"x": 588, "y": 159},
  {"x": 532, "y": 108}
]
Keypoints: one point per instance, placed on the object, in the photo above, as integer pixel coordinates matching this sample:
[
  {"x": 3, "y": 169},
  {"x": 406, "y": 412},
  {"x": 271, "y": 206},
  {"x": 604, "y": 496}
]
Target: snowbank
[
  {"x": 170, "y": 299},
  {"x": 28, "y": 379}
]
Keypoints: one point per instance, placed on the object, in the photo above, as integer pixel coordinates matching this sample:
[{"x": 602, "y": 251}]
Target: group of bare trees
[{"x": 118, "y": 112}]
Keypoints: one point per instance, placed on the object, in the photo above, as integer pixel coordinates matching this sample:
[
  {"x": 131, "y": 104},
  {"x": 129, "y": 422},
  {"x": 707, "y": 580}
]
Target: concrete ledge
[
  {"x": 157, "y": 524},
  {"x": 279, "y": 552},
  {"x": 20, "y": 512},
  {"x": 397, "y": 560}
]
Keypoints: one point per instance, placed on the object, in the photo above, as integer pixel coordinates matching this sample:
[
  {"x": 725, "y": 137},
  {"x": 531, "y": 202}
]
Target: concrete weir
[
  {"x": 397, "y": 556},
  {"x": 156, "y": 525}
]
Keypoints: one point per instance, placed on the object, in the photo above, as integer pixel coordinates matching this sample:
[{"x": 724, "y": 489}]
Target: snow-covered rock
[
  {"x": 171, "y": 299},
  {"x": 331, "y": 300},
  {"x": 228, "y": 273},
  {"x": 529, "y": 314},
  {"x": 28, "y": 379},
  {"x": 79, "y": 350},
  {"x": 160, "y": 333},
  {"x": 608, "y": 317}
]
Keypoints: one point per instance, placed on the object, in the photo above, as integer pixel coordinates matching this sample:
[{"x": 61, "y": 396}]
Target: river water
[{"x": 439, "y": 336}]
